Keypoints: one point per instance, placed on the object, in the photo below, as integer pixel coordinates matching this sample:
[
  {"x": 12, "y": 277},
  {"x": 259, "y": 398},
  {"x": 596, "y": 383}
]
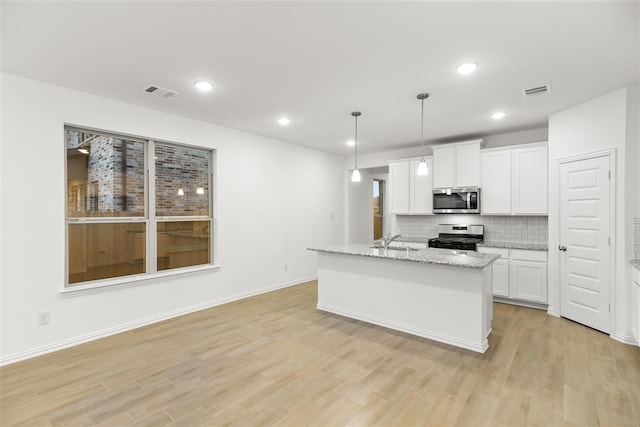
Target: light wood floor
[{"x": 275, "y": 360}]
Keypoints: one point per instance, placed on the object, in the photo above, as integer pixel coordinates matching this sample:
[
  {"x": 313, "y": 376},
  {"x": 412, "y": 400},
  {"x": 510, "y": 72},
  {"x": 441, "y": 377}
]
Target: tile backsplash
[
  {"x": 515, "y": 229},
  {"x": 636, "y": 238}
]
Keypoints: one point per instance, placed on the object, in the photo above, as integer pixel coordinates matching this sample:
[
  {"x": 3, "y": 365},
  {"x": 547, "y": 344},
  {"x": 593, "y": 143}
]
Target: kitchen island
[{"x": 440, "y": 294}]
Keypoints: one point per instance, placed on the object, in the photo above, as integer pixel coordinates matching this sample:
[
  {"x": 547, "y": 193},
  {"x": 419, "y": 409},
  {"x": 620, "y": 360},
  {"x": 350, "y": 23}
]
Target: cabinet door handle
[{"x": 562, "y": 248}]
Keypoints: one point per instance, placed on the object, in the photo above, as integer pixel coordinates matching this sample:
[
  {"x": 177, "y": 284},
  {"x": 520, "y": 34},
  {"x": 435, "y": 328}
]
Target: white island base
[{"x": 450, "y": 304}]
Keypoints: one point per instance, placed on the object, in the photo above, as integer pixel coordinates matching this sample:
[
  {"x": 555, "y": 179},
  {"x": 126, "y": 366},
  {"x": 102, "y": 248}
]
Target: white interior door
[{"x": 584, "y": 232}]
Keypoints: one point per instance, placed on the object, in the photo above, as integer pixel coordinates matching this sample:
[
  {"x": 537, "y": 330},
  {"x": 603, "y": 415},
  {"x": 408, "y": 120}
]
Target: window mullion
[{"x": 152, "y": 246}]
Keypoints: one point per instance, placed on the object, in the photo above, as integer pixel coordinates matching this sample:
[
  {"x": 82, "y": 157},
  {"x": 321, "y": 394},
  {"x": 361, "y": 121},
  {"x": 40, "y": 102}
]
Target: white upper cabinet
[
  {"x": 410, "y": 194},
  {"x": 514, "y": 180},
  {"x": 457, "y": 165},
  {"x": 444, "y": 169},
  {"x": 399, "y": 185},
  {"x": 496, "y": 182},
  {"x": 468, "y": 165},
  {"x": 420, "y": 188},
  {"x": 529, "y": 180}
]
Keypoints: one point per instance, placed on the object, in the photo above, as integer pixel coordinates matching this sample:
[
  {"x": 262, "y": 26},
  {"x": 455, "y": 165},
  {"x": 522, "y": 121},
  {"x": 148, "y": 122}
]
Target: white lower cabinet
[
  {"x": 500, "y": 271},
  {"x": 501, "y": 277},
  {"x": 519, "y": 274},
  {"x": 528, "y": 269},
  {"x": 635, "y": 304}
]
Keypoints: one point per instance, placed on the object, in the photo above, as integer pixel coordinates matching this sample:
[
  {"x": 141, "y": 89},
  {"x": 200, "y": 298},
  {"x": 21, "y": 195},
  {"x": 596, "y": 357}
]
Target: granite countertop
[
  {"x": 512, "y": 245},
  {"x": 635, "y": 263},
  {"x": 469, "y": 259}
]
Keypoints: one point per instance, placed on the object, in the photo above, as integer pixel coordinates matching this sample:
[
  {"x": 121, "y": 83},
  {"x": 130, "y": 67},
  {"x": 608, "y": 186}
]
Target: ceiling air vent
[
  {"x": 161, "y": 91},
  {"x": 540, "y": 90}
]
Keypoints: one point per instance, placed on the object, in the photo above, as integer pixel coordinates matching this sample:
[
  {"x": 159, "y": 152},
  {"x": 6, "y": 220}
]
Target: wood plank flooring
[{"x": 275, "y": 360}]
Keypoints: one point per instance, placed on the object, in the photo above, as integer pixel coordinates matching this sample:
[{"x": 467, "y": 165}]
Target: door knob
[{"x": 562, "y": 248}]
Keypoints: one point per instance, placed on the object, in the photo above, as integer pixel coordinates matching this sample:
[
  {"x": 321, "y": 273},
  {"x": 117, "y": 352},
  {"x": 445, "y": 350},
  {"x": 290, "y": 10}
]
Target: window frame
[{"x": 149, "y": 217}]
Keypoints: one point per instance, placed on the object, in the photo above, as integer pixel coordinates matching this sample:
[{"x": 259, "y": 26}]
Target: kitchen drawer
[
  {"x": 523, "y": 255},
  {"x": 504, "y": 253}
]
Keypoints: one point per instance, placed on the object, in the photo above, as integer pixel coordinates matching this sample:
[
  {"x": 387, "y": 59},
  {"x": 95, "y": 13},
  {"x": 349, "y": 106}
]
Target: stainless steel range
[{"x": 458, "y": 236}]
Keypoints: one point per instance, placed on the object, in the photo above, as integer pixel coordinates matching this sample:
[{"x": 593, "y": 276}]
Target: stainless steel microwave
[{"x": 456, "y": 200}]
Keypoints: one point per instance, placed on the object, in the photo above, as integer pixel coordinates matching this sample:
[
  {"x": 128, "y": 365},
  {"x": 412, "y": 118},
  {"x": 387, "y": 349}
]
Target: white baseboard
[
  {"x": 38, "y": 351},
  {"x": 521, "y": 303},
  {"x": 553, "y": 311},
  {"x": 408, "y": 329},
  {"x": 623, "y": 338}
]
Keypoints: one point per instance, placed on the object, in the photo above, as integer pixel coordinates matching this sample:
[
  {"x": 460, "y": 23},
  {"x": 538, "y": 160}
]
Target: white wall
[
  {"x": 590, "y": 127},
  {"x": 633, "y": 147},
  {"x": 274, "y": 199},
  {"x": 360, "y": 204},
  {"x": 360, "y": 208}
]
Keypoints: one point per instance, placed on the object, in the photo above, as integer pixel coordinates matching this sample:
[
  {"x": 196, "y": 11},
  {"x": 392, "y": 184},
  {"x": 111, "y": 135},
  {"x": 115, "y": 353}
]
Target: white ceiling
[{"x": 316, "y": 62}]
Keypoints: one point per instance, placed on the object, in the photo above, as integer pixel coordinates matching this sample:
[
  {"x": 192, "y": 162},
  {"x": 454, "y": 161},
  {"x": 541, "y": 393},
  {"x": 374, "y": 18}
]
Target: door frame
[{"x": 611, "y": 155}]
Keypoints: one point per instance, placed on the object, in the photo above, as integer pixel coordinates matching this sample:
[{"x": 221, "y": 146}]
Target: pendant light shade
[
  {"x": 422, "y": 166},
  {"x": 355, "y": 176}
]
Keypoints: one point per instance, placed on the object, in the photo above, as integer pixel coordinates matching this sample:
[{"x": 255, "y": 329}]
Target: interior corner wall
[
  {"x": 590, "y": 127},
  {"x": 273, "y": 201},
  {"x": 1, "y": 204},
  {"x": 361, "y": 209},
  {"x": 633, "y": 148}
]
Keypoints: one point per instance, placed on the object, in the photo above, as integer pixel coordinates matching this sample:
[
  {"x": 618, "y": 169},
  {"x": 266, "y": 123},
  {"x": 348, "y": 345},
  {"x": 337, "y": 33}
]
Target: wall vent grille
[
  {"x": 539, "y": 90},
  {"x": 160, "y": 91}
]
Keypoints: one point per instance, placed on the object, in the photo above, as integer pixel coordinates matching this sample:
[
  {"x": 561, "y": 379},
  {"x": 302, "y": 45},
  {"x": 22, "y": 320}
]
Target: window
[
  {"x": 378, "y": 208},
  {"x": 127, "y": 215},
  {"x": 182, "y": 206}
]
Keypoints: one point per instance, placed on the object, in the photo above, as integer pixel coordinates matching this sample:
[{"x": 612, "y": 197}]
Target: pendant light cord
[
  {"x": 422, "y": 130},
  {"x": 356, "y": 142},
  {"x": 422, "y": 97},
  {"x": 355, "y": 114}
]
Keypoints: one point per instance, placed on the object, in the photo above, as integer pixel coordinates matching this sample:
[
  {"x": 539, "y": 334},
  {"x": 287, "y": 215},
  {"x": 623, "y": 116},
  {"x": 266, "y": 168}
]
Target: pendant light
[
  {"x": 355, "y": 176},
  {"x": 422, "y": 166}
]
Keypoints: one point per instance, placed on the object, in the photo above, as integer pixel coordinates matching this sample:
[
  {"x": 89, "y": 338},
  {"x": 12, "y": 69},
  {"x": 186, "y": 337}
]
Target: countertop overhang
[{"x": 454, "y": 258}]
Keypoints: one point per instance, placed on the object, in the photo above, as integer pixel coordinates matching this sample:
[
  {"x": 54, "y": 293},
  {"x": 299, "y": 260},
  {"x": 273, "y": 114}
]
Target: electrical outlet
[
  {"x": 286, "y": 267},
  {"x": 43, "y": 318}
]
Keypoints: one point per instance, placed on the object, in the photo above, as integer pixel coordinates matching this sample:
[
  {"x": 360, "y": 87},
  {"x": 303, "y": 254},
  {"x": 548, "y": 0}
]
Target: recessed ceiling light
[
  {"x": 467, "y": 68},
  {"x": 284, "y": 121},
  {"x": 351, "y": 143},
  {"x": 498, "y": 115},
  {"x": 203, "y": 85}
]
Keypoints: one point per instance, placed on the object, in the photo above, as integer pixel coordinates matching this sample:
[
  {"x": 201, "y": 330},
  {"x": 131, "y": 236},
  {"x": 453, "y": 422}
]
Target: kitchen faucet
[{"x": 388, "y": 239}]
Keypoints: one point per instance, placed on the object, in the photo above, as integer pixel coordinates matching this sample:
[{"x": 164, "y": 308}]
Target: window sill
[{"x": 131, "y": 281}]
